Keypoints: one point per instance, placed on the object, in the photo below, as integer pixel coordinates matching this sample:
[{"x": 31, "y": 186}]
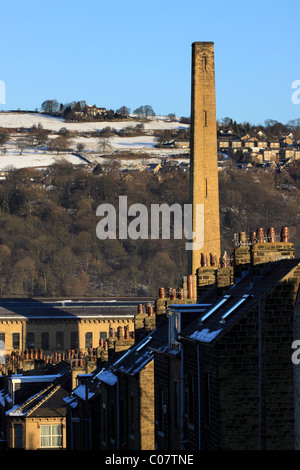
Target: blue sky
[{"x": 135, "y": 52}]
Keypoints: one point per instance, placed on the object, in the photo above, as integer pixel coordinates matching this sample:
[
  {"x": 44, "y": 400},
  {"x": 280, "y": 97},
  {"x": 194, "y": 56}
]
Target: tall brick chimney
[{"x": 204, "y": 187}]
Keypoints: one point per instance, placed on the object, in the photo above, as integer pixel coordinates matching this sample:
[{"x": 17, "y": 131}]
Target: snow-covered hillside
[
  {"x": 38, "y": 158},
  {"x": 27, "y": 120}
]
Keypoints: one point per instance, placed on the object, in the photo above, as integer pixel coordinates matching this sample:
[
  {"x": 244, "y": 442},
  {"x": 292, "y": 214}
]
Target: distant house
[
  {"x": 251, "y": 142},
  {"x": 181, "y": 143},
  {"x": 93, "y": 110},
  {"x": 274, "y": 144},
  {"x": 287, "y": 153},
  {"x": 269, "y": 155},
  {"x": 135, "y": 167},
  {"x": 184, "y": 166},
  {"x": 262, "y": 144},
  {"x": 236, "y": 143},
  {"x": 223, "y": 142},
  {"x": 154, "y": 167},
  {"x": 288, "y": 140}
]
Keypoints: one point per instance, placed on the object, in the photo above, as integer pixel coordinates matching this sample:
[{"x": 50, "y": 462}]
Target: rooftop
[
  {"x": 226, "y": 309},
  {"x": 19, "y": 309}
]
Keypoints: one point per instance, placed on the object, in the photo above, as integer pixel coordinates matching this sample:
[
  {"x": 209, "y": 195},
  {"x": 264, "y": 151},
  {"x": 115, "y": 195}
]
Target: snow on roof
[
  {"x": 33, "y": 378},
  {"x": 107, "y": 377},
  {"x": 2, "y": 398},
  {"x": 20, "y": 409},
  {"x": 205, "y": 335},
  {"x": 82, "y": 390},
  {"x": 71, "y": 401}
]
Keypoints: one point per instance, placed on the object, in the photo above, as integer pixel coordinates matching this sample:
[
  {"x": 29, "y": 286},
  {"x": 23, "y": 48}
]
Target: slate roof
[
  {"x": 132, "y": 361},
  {"x": 138, "y": 356},
  {"x": 225, "y": 310},
  {"x": 20, "y": 309}
]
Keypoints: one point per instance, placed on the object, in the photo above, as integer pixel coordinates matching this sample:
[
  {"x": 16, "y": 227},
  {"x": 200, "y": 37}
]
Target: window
[
  {"x": 103, "y": 335},
  {"x": 74, "y": 340},
  {"x": 205, "y": 118},
  {"x": 51, "y": 435},
  {"x": 18, "y": 436},
  {"x": 174, "y": 327},
  {"x": 204, "y": 63},
  {"x": 2, "y": 348},
  {"x": 16, "y": 340},
  {"x": 30, "y": 340},
  {"x": 88, "y": 340},
  {"x": 2, "y": 342},
  {"x": 45, "y": 340},
  {"x": 59, "y": 340}
]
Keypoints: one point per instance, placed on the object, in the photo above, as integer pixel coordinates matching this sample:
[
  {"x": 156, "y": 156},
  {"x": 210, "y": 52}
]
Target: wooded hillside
[{"x": 48, "y": 242}]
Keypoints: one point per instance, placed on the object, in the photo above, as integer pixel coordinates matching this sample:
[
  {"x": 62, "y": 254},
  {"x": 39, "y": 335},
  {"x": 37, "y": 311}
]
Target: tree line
[{"x": 48, "y": 242}]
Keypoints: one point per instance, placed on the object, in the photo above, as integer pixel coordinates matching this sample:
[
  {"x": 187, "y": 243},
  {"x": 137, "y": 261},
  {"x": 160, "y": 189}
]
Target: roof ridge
[{"x": 56, "y": 387}]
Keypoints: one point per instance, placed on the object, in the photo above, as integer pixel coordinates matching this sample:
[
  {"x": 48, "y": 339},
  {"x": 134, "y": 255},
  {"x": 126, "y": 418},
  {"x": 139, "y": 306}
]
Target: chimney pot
[
  {"x": 190, "y": 286},
  {"x": 213, "y": 259},
  {"x": 181, "y": 293},
  {"x": 260, "y": 235},
  {"x": 204, "y": 259},
  {"x": 285, "y": 234},
  {"x": 243, "y": 238},
  {"x": 161, "y": 293},
  {"x": 225, "y": 260},
  {"x": 271, "y": 235},
  {"x": 120, "y": 332},
  {"x": 253, "y": 237}
]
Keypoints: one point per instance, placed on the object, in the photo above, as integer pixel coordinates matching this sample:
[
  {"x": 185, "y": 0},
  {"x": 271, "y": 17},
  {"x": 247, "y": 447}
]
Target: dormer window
[{"x": 174, "y": 328}]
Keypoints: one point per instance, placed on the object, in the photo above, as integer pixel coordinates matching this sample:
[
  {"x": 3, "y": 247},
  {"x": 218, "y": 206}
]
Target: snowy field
[
  {"x": 13, "y": 120},
  {"x": 32, "y": 160},
  {"x": 37, "y": 159}
]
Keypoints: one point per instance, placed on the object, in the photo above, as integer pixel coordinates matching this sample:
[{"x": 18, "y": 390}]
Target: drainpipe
[
  {"x": 182, "y": 399},
  {"x": 199, "y": 400},
  {"x": 118, "y": 414},
  {"x": 261, "y": 375}
]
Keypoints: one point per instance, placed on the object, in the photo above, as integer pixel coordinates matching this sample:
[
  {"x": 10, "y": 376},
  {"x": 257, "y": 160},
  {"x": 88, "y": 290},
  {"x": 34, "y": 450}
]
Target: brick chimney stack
[{"x": 204, "y": 186}]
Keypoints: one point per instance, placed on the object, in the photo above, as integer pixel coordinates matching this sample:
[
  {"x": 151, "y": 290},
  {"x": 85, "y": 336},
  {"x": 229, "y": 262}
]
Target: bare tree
[
  {"x": 50, "y": 106},
  {"x": 80, "y": 147},
  {"x": 4, "y": 137},
  {"x": 104, "y": 144},
  {"x": 144, "y": 111},
  {"x": 21, "y": 144},
  {"x": 124, "y": 111},
  {"x": 60, "y": 144}
]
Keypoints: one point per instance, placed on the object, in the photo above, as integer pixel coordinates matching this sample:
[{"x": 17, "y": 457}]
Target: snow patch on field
[
  {"x": 14, "y": 120},
  {"x": 30, "y": 160}
]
